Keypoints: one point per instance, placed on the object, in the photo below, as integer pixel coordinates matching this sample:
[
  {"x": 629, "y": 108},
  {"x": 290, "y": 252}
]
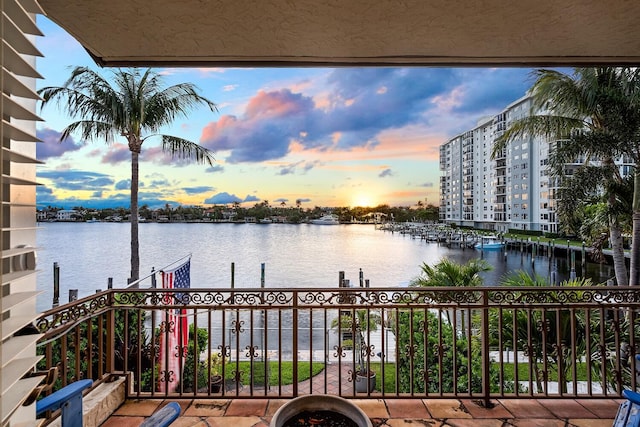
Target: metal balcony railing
[{"x": 481, "y": 343}]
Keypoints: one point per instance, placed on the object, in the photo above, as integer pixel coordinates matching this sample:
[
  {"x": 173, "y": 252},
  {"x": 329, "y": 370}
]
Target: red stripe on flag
[{"x": 175, "y": 336}]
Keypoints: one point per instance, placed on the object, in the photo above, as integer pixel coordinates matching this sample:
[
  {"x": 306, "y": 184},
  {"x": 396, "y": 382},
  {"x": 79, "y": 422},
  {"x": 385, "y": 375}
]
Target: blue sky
[{"x": 325, "y": 136}]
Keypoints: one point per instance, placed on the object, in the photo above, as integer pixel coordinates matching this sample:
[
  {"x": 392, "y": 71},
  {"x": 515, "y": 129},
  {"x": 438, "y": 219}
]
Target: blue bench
[
  {"x": 165, "y": 416},
  {"x": 629, "y": 411},
  {"x": 69, "y": 400}
]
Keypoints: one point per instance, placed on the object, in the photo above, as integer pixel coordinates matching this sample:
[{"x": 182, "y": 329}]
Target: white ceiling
[{"x": 352, "y": 32}]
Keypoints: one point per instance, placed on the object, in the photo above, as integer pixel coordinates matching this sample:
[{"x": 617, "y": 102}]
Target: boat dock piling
[
  {"x": 467, "y": 238},
  {"x": 73, "y": 293},
  {"x": 56, "y": 284}
]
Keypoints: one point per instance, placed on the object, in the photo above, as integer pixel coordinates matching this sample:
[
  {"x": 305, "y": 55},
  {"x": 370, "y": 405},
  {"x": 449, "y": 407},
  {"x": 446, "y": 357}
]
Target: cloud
[
  {"x": 491, "y": 89},
  {"x": 43, "y": 190},
  {"x": 289, "y": 169},
  {"x": 229, "y": 88},
  {"x": 159, "y": 183},
  {"x": 426, "y": 184},
  {"x": 117, "y": 153},
  {"x": 222, "y": 199},
  {"x": 310, "y": 165},
  {"x": 98, "y": 184},
  {"x": 45, "y": 197},
  {"x": 250, "y": 198},
  {"x": 124, "y": 184},
  {"x": 215, "y": 168},
  {"x": 292, "y": 167},
  {"x": 269, "y": 123},
  {"x": 158, "y": 156},
  {"x": 51, "y": 145},
  {"x": 78, "y": 180},
  {"x": 280, "y": 200},
  {"x": 386, "y": 172},
  {"x": 198, "y": 190},
  {"x": 358, "y": 104}
]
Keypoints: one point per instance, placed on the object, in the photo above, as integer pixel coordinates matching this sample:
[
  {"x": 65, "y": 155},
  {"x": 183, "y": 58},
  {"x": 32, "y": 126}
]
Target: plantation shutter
[{"x": 18, "y": 208}]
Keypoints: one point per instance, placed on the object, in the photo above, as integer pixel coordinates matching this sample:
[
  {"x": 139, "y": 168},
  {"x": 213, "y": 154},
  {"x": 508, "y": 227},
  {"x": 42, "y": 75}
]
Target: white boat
[
  {"x": 329, "y": 219},
  {"x": 489, "y": 242},
  {"x": 266, "y": 221}
]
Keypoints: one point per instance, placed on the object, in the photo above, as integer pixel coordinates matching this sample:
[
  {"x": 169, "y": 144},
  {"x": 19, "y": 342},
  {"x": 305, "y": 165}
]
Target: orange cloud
[
  {"x": 214, "y": 129},
  {"x": 270, "y": 104}
]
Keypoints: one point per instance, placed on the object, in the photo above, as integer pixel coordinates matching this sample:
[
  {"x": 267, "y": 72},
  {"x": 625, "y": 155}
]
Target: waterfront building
[
  {"x": 68, "y": 215},
  {"x": 512, "y": 190}
]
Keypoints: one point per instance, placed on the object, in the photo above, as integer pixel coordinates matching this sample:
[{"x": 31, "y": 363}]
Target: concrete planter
[
  {"x": 365, "y": 383},
  {"x": 320, "y": 402}
]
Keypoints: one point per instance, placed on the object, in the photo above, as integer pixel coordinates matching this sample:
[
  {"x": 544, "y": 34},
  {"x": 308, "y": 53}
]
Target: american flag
[{"x": 174, "y": 338}]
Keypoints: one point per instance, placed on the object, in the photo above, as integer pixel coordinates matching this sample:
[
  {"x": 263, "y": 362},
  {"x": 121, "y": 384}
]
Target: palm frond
[{"x": 185, "y": 149}]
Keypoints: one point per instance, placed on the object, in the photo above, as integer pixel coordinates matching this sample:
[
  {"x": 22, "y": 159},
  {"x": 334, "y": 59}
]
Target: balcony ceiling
[{"x": 352, "y": 32}]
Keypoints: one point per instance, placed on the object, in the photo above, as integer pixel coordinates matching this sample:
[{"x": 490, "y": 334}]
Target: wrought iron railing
[{"x": 480, "y": 343}]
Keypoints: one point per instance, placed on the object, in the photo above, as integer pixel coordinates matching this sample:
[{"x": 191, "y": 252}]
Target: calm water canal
[{"x": 294, "y": 256}]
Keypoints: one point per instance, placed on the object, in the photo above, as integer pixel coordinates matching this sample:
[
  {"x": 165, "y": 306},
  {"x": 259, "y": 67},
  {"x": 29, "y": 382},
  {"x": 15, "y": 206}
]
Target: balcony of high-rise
[{"x": 485, "y": 389}]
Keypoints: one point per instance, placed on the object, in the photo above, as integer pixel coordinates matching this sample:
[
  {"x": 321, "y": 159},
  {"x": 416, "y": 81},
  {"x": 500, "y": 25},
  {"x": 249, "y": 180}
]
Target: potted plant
[
  {"x": 215, "y": 364},
  {"x": 357, "y": 323}
]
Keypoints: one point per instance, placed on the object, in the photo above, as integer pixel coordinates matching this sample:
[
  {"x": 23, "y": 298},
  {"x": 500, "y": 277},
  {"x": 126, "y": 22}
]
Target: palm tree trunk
[
  {"x": 634, "y": 270},
  {"x": 135, "y": 243},
  {"x": 619, "y": 265}
]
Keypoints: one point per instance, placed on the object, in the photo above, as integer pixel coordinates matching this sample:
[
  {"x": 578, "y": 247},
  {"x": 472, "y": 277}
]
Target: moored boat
[
  {"x": 489, "y": 242},
  {"x": 328, "y": 219}
]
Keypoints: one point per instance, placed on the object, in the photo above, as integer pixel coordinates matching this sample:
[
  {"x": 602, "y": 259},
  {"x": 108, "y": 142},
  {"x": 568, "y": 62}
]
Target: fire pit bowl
[{"x": 320, "y": 402}]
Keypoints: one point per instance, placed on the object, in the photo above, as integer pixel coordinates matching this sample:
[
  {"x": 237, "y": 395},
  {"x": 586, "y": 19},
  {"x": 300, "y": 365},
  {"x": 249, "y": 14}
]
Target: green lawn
[
  {"x": 523, "y": 372},
  {"x": 305, "y": 371}
]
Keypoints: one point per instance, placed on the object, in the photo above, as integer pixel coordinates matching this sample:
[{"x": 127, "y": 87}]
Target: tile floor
[
  {"x": 387, "y": 412},
  {"x": 226, "y": 411}
]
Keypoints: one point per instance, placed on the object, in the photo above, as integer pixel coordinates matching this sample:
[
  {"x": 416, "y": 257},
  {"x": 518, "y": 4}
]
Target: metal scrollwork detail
[
  {"x": 368, "y": 351},
  {"x": 252, "y": 351},
  {"x": 180, "y": 351},
  {"x": 351, "y": 375},
  {"x": 225, "y": 351},
  {"x": 167, "y": 376},
  {"x": 410, "y": 350},
  {"x": 167, "y": 326},
  {"x": 237, "y": 327}
]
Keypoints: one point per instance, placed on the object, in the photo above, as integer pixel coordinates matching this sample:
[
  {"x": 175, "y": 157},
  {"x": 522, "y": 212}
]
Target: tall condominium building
[{"x": 512, "y": 189}]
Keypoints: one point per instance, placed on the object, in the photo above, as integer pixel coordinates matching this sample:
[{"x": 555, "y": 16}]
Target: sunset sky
[{"x": 326, "y": 136}]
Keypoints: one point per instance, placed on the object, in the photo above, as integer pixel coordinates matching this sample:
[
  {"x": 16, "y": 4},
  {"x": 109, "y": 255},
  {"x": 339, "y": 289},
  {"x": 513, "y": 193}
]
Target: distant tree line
[{"x": 235, "y": 212}]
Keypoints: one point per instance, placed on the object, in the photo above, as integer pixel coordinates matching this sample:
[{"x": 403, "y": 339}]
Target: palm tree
[
  {"x": 564, "y": 330},
  {"x": 136, "y": 106},
  {"x": 584, "y": 114},
  {"x": 631, "y": 121},
  {"x": 451, "y": 273}
]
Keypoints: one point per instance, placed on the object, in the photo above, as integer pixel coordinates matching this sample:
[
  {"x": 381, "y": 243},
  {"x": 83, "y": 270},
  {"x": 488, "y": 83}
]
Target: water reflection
[{"x": 553, "y": 269}]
